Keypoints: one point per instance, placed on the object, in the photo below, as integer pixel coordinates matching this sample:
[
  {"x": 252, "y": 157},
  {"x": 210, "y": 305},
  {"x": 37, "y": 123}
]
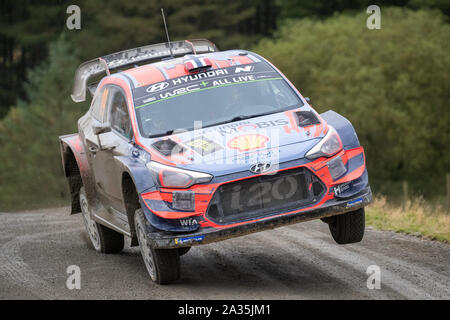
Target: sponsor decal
[
  {"x": 179, "y": 91},
  {"x": 354, "y": 202},
  {"x": 149, "y": 99},
  {"x": 189, "y": 239},
  {"x": 201, "y": 81},
  {"x": 233, "y": 80},
  {"x": 248, "y": 142},
  {"x": 271, "y": 156},
  {"x": 339, "y": 189},
  {"x": 199, "y": 76},
  {"x": 188, "y": 222},
  {"x": 248, "y": 68},
  {"x": 204, "y": 85},
  {"x": 157, "y": 87},
  {"x": 203, "y": 145},
  {"x": 248, "y": 126},
  {"x": 260, "y": 167}
]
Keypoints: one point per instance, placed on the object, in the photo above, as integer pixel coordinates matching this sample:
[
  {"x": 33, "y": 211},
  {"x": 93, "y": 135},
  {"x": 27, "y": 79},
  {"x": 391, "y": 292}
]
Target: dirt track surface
[{"x": 295, "y": 262}]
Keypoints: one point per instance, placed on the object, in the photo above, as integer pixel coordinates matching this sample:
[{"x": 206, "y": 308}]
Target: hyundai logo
[
  {"x": 157, "y": 87},
  {"x": 260, "y": 167}
]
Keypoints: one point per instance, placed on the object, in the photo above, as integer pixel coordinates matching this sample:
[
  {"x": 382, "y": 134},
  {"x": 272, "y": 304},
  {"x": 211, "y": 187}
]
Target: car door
[
  {"x": 115, "y": 141},
  {"x": 94, "y": 117}
]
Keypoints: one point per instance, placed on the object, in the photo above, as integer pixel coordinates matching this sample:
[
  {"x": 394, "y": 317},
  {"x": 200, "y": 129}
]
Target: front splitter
[{"x": 164, "y": 240}]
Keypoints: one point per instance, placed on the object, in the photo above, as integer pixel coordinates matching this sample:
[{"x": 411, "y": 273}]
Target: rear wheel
[
  {"x": 163, "y": 265},
  {"x": 348, "y": 227},
  {"x": 102, "y": 238}
]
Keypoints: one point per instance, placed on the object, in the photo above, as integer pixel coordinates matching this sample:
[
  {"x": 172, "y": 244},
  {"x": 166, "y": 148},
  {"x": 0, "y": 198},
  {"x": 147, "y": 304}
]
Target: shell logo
[{"x": 248, "y": 142}]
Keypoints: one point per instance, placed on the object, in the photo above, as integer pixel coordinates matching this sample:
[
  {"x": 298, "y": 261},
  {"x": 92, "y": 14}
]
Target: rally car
[{"x": 185, "y": 145}]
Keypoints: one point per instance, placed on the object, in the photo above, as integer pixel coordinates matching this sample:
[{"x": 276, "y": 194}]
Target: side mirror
[
  {"x": 99, "y": 128},
  {"x": 308, "y": 99}
]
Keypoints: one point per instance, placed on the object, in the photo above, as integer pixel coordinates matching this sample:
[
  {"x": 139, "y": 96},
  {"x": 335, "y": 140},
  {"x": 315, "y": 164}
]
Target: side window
[
  {"x": 119, "y": 118},
  {"x": 98, "y": 109}
]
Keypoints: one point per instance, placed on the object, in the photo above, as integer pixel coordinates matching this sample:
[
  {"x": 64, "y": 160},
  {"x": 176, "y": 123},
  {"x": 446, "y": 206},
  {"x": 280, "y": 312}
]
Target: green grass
[{"x": 415, "y": 217}]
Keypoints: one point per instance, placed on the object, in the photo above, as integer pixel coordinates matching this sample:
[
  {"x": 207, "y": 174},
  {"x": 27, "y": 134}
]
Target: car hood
[{"x": 235, "y": 146}]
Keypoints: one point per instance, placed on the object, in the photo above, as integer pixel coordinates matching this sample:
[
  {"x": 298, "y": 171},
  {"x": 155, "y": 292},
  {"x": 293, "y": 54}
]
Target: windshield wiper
[
  {"x": 234, "y": 119},
  {"x": 241, "y": 117},
  {"x": 167, "y": 133}
]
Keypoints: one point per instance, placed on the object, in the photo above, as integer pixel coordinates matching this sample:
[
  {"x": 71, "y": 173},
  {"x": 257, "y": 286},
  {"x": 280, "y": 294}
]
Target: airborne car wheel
[
  {"x": 348, "y": 227},
  {"x": 103, "y": 239},
  {"x": 163, "y": 265}
]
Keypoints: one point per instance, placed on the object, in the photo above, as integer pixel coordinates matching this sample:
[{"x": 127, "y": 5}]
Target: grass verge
[{"x": 415, "y": 217}]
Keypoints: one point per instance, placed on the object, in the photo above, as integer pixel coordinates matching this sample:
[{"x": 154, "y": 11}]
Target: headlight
[
  {"x": 327, "y": 147},
  {"x": 171, "y": 177}
]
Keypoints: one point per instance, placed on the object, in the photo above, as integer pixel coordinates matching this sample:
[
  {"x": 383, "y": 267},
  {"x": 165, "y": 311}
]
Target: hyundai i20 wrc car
[{"x": 185, "y": 145}]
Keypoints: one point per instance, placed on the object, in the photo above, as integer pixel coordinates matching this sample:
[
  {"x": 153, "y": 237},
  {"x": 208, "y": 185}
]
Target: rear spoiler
[{"x": 153, "y": 52}]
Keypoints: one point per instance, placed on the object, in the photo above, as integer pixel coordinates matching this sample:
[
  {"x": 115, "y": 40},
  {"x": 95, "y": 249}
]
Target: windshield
[{"x": 223, "y": 97}]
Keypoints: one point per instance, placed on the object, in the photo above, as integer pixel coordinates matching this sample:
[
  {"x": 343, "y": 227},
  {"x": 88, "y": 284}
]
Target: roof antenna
[{"x": 167, "y": 33}]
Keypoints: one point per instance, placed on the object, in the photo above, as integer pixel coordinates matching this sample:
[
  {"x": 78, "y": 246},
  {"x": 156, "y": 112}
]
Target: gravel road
[{"x": 295, "y": 262}]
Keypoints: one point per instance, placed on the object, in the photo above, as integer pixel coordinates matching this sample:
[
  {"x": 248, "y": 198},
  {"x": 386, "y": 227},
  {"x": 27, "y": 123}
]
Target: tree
[
  {"x": 26, "y": 28},
  {"x": 30, "y": 170},
  {"x": 392, "y": 84}
]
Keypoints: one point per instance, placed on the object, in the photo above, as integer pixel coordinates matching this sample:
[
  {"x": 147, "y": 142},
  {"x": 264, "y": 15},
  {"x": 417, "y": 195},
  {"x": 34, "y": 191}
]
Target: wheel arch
[
  {"x": 131, "y": 202},
  {"x": 76, "y": 169},
  {"x": 135, "y": 180},
  {"x": 344, "y": 128},
  {"x": 74, "y": 180}
]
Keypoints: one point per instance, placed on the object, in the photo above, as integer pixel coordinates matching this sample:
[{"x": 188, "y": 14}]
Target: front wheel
[
  {"x": 348, "y": 227},
  {"x": 163, "y": 265}
]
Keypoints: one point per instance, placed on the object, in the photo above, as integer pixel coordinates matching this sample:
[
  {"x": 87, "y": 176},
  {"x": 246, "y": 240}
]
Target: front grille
[{"x": 265, "y": 195}]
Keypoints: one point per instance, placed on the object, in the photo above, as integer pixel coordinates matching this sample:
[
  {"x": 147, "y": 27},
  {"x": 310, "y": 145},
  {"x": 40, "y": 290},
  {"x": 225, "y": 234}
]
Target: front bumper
[{"x": 336, "y": 206}]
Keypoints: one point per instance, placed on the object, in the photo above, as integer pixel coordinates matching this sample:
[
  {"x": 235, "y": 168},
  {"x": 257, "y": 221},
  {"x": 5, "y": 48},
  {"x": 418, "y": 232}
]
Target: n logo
[{"x": 243, "y": 69}]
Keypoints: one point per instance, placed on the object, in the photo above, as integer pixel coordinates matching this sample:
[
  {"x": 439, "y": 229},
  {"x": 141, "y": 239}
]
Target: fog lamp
[
  {"x": 183, "y": 200},
  {"x": 336, "y": 167}
]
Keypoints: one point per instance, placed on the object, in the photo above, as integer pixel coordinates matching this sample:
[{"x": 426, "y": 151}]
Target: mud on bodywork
[
  {"x": 225, "y": 151},
  {"x": 76, "y": 168},
  {"x": 161, "y": 239}
]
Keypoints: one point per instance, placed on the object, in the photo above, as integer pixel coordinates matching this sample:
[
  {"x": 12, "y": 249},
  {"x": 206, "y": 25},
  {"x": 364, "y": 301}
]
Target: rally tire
[
  {"x": 111, "y": 241},
  {"x": 182, "y": 251},
  {"x": 163, "y": 265},
  {"x": 348, "y": 227},
  {"x": 103, "y": 239}
]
